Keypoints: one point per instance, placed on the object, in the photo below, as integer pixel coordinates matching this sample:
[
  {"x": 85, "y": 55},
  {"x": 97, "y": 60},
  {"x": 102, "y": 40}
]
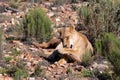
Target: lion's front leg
[
  {"x": 70, "y": 54},
  {"x": 66, "y": 51}
]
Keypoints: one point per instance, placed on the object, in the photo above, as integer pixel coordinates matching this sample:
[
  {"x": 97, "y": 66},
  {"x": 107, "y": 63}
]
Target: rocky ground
[{"x": 20, "y": 54}]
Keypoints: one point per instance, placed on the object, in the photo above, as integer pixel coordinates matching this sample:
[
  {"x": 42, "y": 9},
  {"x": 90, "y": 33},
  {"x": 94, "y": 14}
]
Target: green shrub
[
  {"x": 100, "y": 16},
  {"x": 37, "y": 25},
  {"x": 18, "y": 71},
  {"x": 7, "y": 59},
  {"x": 87, "y": 59},
  {"x": 103, "y": 76},
  {"x": 110, "y": 48},
  {"x": 4, "y": 18},
  {"x": 20, "y": 74},
  {"x": 69, "y": 70},
  {"x": 98, "y": 46},
  {"x": 59, "y": 2},
  {"x": 39, "y": 72},
  {"x": 15, "y": 3},
  {"x": 86, "y": 73},
  {"x": 62, "y": 2},
  {"x": 16, "y": 52},
  {"x": 1, "y": 43}
]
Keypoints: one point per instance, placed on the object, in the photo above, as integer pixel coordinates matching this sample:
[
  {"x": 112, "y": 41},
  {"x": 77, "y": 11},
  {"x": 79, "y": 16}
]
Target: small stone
[
  {"x": 54, "y": 8},
  {"x": 1, "y": 75},
  {"x": 50, "y": 69},
  {"x": 58, "y": 19},
  {"x": 50, "y": 14},
  {"x": 32, "y": 78},
  {"x": 52, "y": 66},
  {"x": 86, "y": 78},
  {"x": 28, "y": 64}
]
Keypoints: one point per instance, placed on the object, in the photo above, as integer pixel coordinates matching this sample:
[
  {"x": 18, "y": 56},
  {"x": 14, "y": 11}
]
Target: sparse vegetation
[
  {"x": 16, "y": 51},
  {"x": 7, "y": 59},
  {"x": 69, "y": 70},
  {"x": 20, "y": 74},
  {"x": 39, "y": 72},
  {"x": 37, "y": 25},
  {"x": 23, "y": 61},
  {"x": 99, "y": 17},
  {"x": 59, "y": 2},
  {"x": 105, "y": 75},
  {"x": 62, "y": 2},
  {"x": 1, "y": 43},
  {"x": 87, "y": 59},
  {"x": 86, "y": 73},
  {"x": 15, "y": 3},
  {"x": 110, "y": 48},
  {"x": 18, "y": 71},
  {"x": 4, "y": 18}
]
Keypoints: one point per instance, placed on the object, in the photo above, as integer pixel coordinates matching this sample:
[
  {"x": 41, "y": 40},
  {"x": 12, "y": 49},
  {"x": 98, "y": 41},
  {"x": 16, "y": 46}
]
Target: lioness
[{"x": 74, "y": 44}]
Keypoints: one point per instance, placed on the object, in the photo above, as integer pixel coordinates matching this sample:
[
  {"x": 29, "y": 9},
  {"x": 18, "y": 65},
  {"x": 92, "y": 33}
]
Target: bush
[
  {"x": 86, "y": 73},
  {"x": 39, "y": 72},
  {"x": 20, "y": 74},
  {"x": 1, "y": 43},
  {"x": 110, "y": 48},
  {"x": 87, "y": 59},
  {"x": 7, "y": 59},
  {"x": 37, "y": 25},
  {"x": 100, "y": 16},
  {"x": 103, "y": 76},
  {"x": 61, "y": 2},
  {"x": 18, "y": 71},
  {"x": 16, "y": 52},
  {"x": 15, "y": 3}
]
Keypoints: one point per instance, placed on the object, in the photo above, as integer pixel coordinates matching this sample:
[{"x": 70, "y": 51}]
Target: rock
[
  {"x": 101, "y": 66},
  {"x": 59, "y": 71},
  {"x": 47, "y": 4},
  {"x": 62, "y": 9},
  {"x": 1, "y": 75},
  {"x": 51, "y": 14},
  {"x": 62, "y": 62},
  {"x": 32, "y": 78},
  {"x": 52, "y": 66},
  {"x": 86, "y": 78},
  {"x": 18, "y": 42},
  {"x": 5, "y": 77},
  {"x": 28, "y": 64},
  {"x": 7, "y": 14},
  {"x": 20, "y": 15},
  {"x": 54, "y": 8},
  {"x": 58, "y": 19},
  {"x": 49, "y": 68}
]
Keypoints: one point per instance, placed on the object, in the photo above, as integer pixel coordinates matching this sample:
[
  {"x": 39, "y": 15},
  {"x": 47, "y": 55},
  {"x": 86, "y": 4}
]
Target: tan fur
[
  {"x": 74, "y": 44},
  {"x": 53, "y": 41}
]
